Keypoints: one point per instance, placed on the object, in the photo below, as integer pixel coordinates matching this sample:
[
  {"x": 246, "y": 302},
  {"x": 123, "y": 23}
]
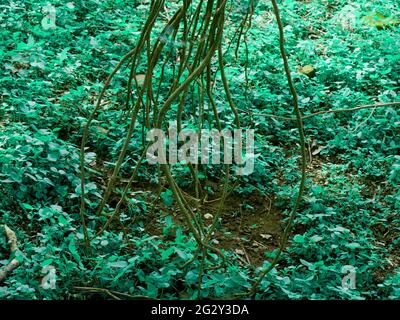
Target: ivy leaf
[
  {"x": 299, "y": 238},
  {"x": 167, "y": 197},
  {"x": 62, "y": 220},
  {"x": 316, "y": 238},
  {"x": 353, "y": 245}
]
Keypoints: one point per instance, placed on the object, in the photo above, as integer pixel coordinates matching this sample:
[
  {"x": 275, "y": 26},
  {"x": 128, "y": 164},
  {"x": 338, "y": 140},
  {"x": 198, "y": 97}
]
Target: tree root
[{"x": 14, "y": 263}]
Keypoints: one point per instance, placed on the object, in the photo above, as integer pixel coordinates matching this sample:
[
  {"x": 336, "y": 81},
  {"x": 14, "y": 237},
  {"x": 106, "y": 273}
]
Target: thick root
[{"x": 13, "y": 247}]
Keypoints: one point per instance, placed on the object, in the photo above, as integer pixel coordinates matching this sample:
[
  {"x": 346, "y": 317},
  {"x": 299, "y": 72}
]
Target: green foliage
[{"x": 349, "y": 215}]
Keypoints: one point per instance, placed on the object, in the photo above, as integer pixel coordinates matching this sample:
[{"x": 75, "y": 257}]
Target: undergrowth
[{"x": 349, "y": 215}]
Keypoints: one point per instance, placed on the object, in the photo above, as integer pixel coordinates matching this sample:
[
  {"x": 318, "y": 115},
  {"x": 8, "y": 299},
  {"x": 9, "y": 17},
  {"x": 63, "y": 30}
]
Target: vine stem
[
  {"x": 308, "y": 116},
  {"x": 133, "y": 53},
  {"x": 303, "y": 151},
  {"x": 114, "y": 294}
]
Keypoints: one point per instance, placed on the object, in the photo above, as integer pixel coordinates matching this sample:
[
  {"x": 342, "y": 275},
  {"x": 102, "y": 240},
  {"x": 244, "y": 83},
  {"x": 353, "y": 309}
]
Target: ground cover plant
[{"x": 85, "y": 215}]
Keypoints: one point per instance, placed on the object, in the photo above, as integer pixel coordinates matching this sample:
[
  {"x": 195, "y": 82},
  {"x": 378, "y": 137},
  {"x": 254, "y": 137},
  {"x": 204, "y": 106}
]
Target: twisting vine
[
  {"x": 202, "y": 33},
  {"x": 303, "y": 150},
  {"x": 195, "y": 60}
]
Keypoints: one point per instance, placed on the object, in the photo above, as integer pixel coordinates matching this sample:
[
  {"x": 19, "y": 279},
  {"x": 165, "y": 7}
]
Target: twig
[
  {"x": 364, "y": 121},
  {"x": 367, "y": 106},
  {"x": 114, "y": 294},
  {"x": 303, "y": 152}
]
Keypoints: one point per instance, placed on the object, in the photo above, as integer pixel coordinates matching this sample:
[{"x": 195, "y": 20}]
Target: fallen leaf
[
  {"x": 307, "y": 70},
  {"x": 140, "y": 79},
  {"x": 265, "y": 236},
  {"x": 240, "y": 252},
  {"x": 208, "y": 216},
  {"x": 318, "y": 150}
]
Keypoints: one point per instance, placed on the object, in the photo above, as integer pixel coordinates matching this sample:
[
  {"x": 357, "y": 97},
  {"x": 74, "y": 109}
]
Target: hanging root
[
  {"x": 303, "y": 154},
  {"x": 195, "y": 59},
  {"x": 202, "y": 40}
]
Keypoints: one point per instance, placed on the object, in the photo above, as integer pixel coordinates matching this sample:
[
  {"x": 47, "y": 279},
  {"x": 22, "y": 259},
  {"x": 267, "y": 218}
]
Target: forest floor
[{"x": 342, "y": 54}]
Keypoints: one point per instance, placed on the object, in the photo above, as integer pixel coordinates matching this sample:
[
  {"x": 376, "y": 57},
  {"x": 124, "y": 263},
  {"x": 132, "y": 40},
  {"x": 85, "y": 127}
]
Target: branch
[
  {"x": 114, "y": 294},
  {"x": 367, "y": 106}
]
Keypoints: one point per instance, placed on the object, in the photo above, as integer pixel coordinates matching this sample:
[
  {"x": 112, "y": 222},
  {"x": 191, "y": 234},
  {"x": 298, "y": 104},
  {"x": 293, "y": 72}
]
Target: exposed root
[{"x": 14, "y": 263}]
